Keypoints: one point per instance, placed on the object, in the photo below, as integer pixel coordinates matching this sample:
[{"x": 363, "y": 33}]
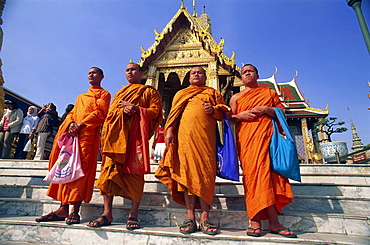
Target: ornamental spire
[{"x": 357, "y": 144}]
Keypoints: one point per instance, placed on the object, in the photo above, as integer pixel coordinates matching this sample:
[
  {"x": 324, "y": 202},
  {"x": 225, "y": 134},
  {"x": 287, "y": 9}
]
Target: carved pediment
[
  {"x": 184, "y": 37},
  {"x": 184, "y": 55}
]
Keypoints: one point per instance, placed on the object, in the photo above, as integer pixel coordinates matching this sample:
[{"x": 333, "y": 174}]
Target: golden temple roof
[{"x": 178, "y": 21}]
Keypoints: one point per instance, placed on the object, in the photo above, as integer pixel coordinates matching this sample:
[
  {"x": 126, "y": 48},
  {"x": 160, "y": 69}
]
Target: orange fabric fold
[
  {"x": 121, "y": 141},
  {"x": 90, "y": 108},
  {"x": 191, "y": 160},
  {"x": 138, "y": 161},
  {"x": 262, "y": 187}
]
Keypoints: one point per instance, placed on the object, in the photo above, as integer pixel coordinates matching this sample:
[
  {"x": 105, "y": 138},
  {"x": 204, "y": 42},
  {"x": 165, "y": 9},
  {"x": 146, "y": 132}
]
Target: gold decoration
[
  {"x": 158, "y": 36},
  {"x": 296, "y": 74},
  {"x": 316, "y": 157},
  {"x": 318, "y": 110},
  {"x": 145, "y": 53},
  {"x": 197, "y": 28}
]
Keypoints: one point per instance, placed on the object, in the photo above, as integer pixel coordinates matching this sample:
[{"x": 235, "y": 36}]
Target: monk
[
  {"x": 188, "y": 167},
  {"x": 266, "y": 192},
  {"x": 84, "y": 120},
  {"x": 133, "y": 117}
]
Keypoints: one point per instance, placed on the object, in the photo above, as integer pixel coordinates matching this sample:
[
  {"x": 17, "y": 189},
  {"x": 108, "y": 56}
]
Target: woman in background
[
  {"x": 27, "y": 132},
  {"x": 10, "y": 126}
]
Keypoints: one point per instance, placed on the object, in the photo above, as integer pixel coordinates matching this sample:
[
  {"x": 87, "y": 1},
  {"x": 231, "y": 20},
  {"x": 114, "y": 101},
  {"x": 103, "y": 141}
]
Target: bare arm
[
  {"x": 170, "y": 133},
  {"x": 260, "y": 110},
  {"x": 247, "y": 115}
]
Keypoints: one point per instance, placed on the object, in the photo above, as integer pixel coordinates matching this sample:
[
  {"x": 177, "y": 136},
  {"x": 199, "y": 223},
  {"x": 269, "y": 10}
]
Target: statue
[{"x": 316, "y": 157}]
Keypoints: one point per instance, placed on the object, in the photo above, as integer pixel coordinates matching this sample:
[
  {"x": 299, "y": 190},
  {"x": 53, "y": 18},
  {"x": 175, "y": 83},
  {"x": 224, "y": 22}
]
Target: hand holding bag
[
  {"x": 283, "y": 152},
  {"x": 227, "y": 159},
  {"x": 67, "y": 167}
]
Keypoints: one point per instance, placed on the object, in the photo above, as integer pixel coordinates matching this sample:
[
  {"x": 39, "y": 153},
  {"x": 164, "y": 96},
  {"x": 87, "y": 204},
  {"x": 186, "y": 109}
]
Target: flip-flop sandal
[
  {"x": 49, "y": 217},
  {"x": 99, "y": 223},
  {"x": 75, "y": 217},
  {"x": 133, "y": 225},
  {"x": 284, "y": 235},
  {"x": 206, "y": 226},
  {"x": 188, "y": 224},
  {"x": 254, "y": 234}
]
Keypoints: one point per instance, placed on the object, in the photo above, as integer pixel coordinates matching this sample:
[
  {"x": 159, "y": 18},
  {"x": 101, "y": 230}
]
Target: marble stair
[{"x": 332, "y": 202}]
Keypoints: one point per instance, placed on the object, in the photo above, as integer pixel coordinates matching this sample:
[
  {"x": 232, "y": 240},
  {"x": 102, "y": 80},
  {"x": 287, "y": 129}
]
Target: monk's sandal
[{"x": 188, "y": 224}]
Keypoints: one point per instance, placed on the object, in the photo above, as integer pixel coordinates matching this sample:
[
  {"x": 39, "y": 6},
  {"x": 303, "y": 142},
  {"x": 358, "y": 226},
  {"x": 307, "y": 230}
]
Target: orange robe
[
  {"x": 191, "y": 160},
  {"x": 116, "y": 136},
  {"x": 90, "y": 108},
  {"x": 262, "y": 187}
]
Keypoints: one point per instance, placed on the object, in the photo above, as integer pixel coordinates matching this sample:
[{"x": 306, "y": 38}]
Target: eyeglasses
[{"x": 8, "y": 102}]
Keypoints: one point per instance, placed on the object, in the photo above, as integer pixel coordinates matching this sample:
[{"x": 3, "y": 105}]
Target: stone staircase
[{"x": 331, "y": 206}]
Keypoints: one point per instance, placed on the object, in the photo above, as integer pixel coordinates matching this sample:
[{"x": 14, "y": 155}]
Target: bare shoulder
[{"x": 235, "y": 97}]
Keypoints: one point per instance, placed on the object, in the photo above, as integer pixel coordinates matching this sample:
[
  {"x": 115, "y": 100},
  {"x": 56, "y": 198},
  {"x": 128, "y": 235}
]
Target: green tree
[{"x": 327, "y": 126}]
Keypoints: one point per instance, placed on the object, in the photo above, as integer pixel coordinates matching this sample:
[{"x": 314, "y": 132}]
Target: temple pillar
[
  {"x": 152, "y": 77},
  {"x": 212, "y": 78}
]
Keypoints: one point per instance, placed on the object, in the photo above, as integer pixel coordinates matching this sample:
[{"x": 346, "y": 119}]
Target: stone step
[
  {"x": 330, "y": 189},
  {"x": 305, "y": 169},
  {"x": 171, "y": 217},
  {"x": 27, "y": 178},
  {"x": 339, "y": 179},
  {"x": 25, "y": 230},
  {"x": 20, "y": 176},
  {"x": 301, "y": 203},
  {"x": 333, "y": 169}
]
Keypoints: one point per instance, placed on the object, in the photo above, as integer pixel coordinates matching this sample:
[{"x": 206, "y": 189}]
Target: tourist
[
  {"x": 266, "y": 192},
  {"x": 48, "y": 119},
  {"x": 10, "y": 125},
  {"x": 159, "y": 144},
  {"x": 188, "y": 167},
  {"x": 133, "y": 117},
  {"x": 85, "y": 121},
  {"x": 27, "y": 132},
  {"x": 68, "y": 109}
]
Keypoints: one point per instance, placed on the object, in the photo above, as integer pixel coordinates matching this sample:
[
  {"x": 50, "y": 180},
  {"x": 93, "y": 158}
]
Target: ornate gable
[{"x": 185, "y": 31}]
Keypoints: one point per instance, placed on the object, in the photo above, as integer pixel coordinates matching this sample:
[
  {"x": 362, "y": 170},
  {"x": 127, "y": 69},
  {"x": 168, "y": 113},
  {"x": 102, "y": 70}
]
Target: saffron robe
[
  {"x": 262, "y": 187},
  {"x": 191, "y": 160},
  {"x": 90, "y": 108},
  {"x": 115, "y": 179}
]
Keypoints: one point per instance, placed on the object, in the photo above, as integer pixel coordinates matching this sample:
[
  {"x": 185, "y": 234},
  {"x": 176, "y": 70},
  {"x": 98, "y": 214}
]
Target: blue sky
[{"x": 49, "y": 45}]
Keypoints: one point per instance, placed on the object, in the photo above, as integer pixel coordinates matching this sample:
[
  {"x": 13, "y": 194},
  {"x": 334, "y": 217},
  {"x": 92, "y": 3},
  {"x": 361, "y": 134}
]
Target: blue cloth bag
[
  {"x": 283, "y": 152},
  {"x": 227, "y": 159}
]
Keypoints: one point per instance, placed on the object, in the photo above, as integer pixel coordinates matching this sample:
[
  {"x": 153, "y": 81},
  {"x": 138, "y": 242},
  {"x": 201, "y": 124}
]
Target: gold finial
[
  {"x": 327, "y": 107},
  {"x": 156, "y": 32},
  {"x": 276, "y": 70},
  {"x": 222, "y": 43},
  {"x": 145, "y": 53},
  {"x": 233, "y": 56},
  {"x": 131, "y": 61},
  {"x": 296, "y": 74},
  {"x": 194, "y": 9},
  {"x": 158, "y": 36}
]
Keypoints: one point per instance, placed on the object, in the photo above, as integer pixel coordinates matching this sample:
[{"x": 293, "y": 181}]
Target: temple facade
[{"x": 186, "y": 41}]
